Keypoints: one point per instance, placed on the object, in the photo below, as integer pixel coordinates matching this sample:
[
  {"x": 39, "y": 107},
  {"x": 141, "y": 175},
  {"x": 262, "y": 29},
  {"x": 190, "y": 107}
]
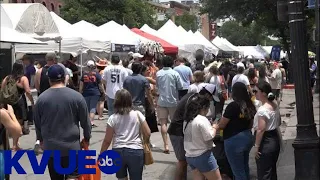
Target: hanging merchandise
[{"x": 151, "y": 48}]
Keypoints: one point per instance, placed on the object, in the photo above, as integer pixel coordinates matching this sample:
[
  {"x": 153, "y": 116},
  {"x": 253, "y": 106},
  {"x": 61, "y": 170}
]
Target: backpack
[{"x": 9, "y": 93}]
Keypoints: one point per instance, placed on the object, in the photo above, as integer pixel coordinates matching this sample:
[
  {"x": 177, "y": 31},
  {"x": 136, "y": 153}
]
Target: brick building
[{"x": 52, "y": 5}]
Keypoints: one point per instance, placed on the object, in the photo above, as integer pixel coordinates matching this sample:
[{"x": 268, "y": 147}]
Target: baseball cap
[
  {"x": 51, "y": 56},
  {"x": 240, "y": 64},
  {"x": 90, "y": 63},
  {"x": 130, "y": 53},
  {"x": 211, "y": 89},
  {"x": 56, "y": 73},
  {"x": 137, "y": 55}
]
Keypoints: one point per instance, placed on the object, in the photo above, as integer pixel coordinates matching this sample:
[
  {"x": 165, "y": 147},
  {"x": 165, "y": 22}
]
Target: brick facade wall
[{"x": 52, "y": 5}]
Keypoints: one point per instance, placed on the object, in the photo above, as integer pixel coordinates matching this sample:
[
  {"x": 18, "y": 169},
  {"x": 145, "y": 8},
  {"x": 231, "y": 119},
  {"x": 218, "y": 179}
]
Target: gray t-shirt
[
  {"x": 57, "y": 115},
  {"x": 136, "y": 84}
]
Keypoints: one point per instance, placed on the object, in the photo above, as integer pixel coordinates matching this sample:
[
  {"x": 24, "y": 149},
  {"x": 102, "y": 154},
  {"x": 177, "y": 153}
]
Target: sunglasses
[{"x": 254, "y": 91}]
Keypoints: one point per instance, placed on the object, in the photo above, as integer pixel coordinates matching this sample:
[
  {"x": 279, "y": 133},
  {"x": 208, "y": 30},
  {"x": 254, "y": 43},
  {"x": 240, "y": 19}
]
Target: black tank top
[{"x": 44, "y": 80}]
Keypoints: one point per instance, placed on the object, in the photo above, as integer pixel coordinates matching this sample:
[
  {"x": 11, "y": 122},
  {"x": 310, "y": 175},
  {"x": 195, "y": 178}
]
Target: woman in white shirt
[
  {"x": 198, "y": 77},
  {"x": 198, "y": 139},
  {"x": 124, "y": 131},
  {"x": 267, "y": 138}
]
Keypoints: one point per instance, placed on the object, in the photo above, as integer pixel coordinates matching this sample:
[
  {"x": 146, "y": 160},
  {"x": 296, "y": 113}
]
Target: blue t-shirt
[
  {"x": 185, "y": 74},
  {"x": 136, "y": 84},
  {"x": 91, "y": 81},
  {"x": 29, "y": 72}
]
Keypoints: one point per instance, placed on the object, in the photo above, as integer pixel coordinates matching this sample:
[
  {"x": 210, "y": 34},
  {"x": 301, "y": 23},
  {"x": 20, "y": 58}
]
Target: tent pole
[
  {"x": 81, "y": 61},
  {"x": 13, "y": 51},
  {"x": 60, "y": 54}
]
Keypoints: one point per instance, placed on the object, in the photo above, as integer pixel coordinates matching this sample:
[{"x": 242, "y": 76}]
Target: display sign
[
  {"x": 212, "y": 31},
  {"x": 123, "y": 48},
  {"x": 275, "y": 53},
  {"x": 311, "y": 4}
]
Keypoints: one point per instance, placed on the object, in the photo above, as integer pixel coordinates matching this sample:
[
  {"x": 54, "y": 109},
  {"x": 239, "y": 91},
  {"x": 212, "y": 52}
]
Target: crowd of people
[{"x": 141, "y": 94}]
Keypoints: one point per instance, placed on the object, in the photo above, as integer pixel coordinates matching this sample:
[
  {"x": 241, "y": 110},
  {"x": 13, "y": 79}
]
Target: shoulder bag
[{"x": 148, "y": 158}]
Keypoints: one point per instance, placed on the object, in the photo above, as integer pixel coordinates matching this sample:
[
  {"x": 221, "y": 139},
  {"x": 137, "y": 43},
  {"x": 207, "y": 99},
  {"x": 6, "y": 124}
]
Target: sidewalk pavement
[{"x": 164, "y": 166}]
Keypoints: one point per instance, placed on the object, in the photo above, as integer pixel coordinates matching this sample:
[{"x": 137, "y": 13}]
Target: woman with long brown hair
[
  {"x": 236, "y": 124},
  {"x": 20, "y": 107},
  {"x": 123, "y": 130}
]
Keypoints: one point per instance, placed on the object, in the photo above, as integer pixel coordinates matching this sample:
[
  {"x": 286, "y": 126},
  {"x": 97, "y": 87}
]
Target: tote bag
[{"x": 96, "y": 176}]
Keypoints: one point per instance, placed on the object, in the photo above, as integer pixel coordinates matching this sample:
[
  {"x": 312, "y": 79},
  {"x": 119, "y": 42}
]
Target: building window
[
  {"x": 32, "y": 1},
  {"x": 14, "y": 1},
  {"x": 23, "y": 1},
  {"x": 52, "y": 7},
  {"x": 44, "y": 3}
]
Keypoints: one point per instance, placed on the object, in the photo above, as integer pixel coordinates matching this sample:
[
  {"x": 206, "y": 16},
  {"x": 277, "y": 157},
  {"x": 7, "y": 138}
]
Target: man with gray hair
[{"x": 42, "y": 82}]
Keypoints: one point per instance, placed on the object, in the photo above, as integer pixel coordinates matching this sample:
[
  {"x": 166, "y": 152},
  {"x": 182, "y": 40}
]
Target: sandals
[{"x": 166, "y": 151}]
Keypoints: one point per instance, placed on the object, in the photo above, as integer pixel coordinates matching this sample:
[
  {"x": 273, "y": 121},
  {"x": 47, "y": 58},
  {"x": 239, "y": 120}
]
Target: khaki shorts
[{"x": 165, "y": 112}]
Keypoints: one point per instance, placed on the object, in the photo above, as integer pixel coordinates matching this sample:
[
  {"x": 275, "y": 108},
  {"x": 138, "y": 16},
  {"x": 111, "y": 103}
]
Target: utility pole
[
  {"x": 317, "y": 40},
  {"x": 306, "y": 143}
]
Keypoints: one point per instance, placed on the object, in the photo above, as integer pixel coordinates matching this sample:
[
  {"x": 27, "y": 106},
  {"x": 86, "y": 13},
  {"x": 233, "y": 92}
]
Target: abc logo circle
[{"x": 110, "y": 162}]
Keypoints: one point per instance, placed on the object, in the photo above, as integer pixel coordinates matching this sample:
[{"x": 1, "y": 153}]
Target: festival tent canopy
[
  {"x": 33, "y": 19},
  {"x": 226, "y": 42},
  {"x": 168, "y": 48},
  {"x": 75, "y": 39},
  {"x": 251, "y": 52},
  {"x": 118, "y": 34},
  {"x": 206, "y": 42},
  {"x": 170, "y": 32},
  {"x": 12, "y": 36},
  {"x": 220, "y": 43},
  {"x": 149, "y": 30}
]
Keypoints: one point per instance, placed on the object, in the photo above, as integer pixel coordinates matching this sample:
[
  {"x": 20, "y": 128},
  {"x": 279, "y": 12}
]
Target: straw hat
[{"x": 102, "y": 63}]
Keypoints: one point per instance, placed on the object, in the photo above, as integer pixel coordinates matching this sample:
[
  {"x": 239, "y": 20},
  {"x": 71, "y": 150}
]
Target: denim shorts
[
  {"x": 132, "y": 162},
  {"x": 92, "y": 102},
  {"x": 178, "y": 147},
  {"x": 204, "y": 163}
]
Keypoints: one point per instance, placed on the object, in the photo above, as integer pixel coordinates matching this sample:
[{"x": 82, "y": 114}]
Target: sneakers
[{"x": 37, "y": 149}]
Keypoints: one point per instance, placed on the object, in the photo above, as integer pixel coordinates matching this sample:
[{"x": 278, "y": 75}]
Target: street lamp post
[
  {"x": 306, "y": 144},
  {"x": 317, "y": 40}
]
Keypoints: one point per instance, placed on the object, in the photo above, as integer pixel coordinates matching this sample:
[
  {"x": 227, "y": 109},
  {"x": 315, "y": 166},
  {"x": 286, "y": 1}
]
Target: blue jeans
[
  {"x": 2, "y": 175},
  {"x": 110, "y": 106},
  {"x": 92, "y": 102},
  {"x": 132, "y": 161},
  {"x": 237, "y": 149}
]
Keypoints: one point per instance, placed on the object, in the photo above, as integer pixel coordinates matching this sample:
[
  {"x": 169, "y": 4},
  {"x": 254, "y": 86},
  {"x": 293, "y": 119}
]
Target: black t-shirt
[
  {"x": 237, "y": 122},
  {"x": 176, "y": 126}
]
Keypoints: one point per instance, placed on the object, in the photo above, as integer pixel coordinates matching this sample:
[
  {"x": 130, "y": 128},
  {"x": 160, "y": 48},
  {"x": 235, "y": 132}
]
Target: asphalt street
[{"x": 164, "y": 166}]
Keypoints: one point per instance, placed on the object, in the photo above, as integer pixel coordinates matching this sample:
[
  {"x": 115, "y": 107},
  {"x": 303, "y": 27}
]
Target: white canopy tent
[
  {"x": 226, "y": 42},
  {"x": 212, "y": 48},
  {"x": 73, "y": 40},
  {"x": 118, "y": 34},
  {"x": 149, "y": 30},
  {"x": 220, "y": 43},
  {"x": 170, "y": 33},
  {"x": 12, "y": 36},
  {"x": 33, "y": 19},
  {"x": 251, "y": 52}
]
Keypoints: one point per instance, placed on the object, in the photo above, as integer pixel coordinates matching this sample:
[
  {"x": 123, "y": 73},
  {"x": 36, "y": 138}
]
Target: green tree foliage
[
  {"x": 133, "y": 13},
  {"x": 262, "y": 12},
  {"x": 187, "y": 21},
  {"x": 249, "y": 35}
]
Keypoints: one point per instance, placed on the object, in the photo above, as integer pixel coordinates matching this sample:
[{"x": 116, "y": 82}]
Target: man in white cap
[{"x": 240, "y": 77}]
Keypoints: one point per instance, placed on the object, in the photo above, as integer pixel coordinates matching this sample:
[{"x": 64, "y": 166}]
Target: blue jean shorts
[
  {"x": 132, "y": 162},
  {"x": 92, "y": 102},
  {"x": 204, "y": 163}
]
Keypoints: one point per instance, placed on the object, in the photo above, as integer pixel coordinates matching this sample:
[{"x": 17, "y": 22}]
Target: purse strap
[{"x": 140, "y": 129}]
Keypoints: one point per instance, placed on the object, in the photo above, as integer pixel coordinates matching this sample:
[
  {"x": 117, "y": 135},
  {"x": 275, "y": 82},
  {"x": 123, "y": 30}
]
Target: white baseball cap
[
  {"x": 211, "y": 89},
  {"x": 137, "y": 55},
  {"x": 240, "y": 64},
  {"x": 90, "y": 63}
]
